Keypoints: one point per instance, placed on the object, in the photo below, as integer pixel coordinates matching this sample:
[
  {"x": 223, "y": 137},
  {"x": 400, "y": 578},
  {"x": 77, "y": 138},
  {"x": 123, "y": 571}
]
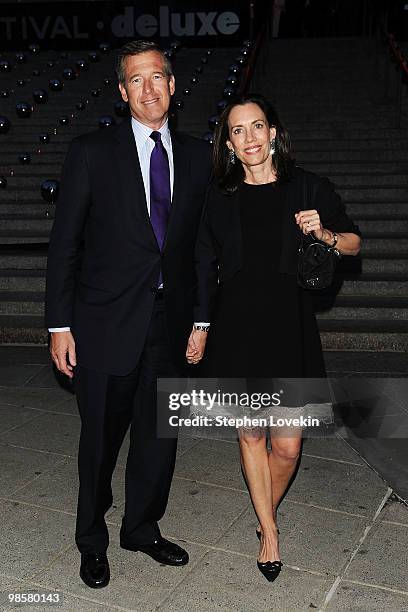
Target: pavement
[{"x": 343, "y": 532}]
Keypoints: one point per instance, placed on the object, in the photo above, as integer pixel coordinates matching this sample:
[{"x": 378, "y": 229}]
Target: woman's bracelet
[
  {"x": 322, "y": 237},
  {"x": 332, "y": 236}
]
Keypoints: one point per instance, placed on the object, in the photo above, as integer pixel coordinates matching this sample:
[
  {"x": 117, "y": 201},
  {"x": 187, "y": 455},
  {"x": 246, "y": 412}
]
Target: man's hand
[
  {"x": 196, "y": 345},
  {"x": 63, "y": 345}
]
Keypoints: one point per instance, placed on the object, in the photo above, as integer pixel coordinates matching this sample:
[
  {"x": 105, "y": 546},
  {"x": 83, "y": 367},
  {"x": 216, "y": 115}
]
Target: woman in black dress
[{"x": 262, "y": 324}]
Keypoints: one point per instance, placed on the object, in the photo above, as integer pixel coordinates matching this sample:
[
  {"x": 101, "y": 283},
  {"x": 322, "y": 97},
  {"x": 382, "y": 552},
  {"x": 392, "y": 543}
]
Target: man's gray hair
[{"x": 135, "y": 48}]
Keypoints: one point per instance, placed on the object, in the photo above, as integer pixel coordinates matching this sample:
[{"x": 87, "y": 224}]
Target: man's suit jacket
[{"x": 104, "y": 260}]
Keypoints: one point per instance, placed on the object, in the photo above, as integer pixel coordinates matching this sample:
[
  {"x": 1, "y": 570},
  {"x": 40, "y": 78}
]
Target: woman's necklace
[{"x": 263, "y": 182}]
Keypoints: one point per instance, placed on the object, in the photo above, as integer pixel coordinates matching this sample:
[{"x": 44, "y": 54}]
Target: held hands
[
  {"x": 309, "y": 221},
  {"x": 63, "y": 345},
  {"x": 196, "y": 345}
]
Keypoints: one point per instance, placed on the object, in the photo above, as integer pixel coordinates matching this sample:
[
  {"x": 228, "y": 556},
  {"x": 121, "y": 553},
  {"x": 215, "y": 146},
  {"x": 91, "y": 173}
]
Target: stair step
[
  {"x": 24, "y": 140},
  {"x": 46, "y": 157},
  {"x": 375, "y": 155},
  {"x": 378, "y": 210},
  {"x": 364, "y": 314},
  {"x": 22, "y": 280},
  {"x": 361, "y": 341},
  {"x": 38, "y": 209},
  {"x": 374, "y": 265},
  {"x": 23, "y": 329},
  {"x": 24, "y": 237},
  {"x": 20, "y": 195},
  {"x": 372, "y": 179},
  {"x": 42, "y": 170},
  {"x": 361, "y": 135},
  {"x": 385, "y": 266},
  {"x": 364, "y": 326},
  {"x": 374, "y": 301},
  {"x": 22, "y": 302},
  {"x": 365, "y": 193},
  {"x": 33, "y": 147},
  {"x": 321, "y": 114},
  {"x": 34, "y": 225},
  {"x": 17, "y": 259},
  {"x": 327, "y": 167},
  {"x": 34, "y": 181},
  {"x": 317, "y": 126},
  {"x": 22, "y": 321},
  {"x": 380, "y": 226},
  {"x": 375, "y": 284},
  {"x": 391, "y": 244}
]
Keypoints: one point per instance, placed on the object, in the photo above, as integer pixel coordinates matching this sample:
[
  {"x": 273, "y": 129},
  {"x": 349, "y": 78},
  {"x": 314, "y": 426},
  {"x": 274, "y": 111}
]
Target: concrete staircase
[
  {"x": 331, "y": 99},
  {"x": 329, "y": 96},
  {"x": 25, "y": 218}
]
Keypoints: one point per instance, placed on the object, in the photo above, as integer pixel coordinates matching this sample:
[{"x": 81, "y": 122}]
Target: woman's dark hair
[{"x": 230, "y": 175}]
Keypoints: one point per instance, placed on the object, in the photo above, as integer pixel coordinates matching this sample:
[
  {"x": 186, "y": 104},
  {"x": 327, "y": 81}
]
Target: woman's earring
[
  {"x": 231, "y": 157},
  {"x": 273, "y": 149}
]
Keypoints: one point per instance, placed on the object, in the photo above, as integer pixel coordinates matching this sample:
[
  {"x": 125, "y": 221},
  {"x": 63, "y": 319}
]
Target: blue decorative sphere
[
  {"x": 40, "y": 96},
  {"x": 121, "y": 109},
  {"x": 50, "y": 190},
  {"x": 5, "y": 125},
  {"x": 69, "y": 74},
  {"x": 56, "y": 85},
  {"x": 106, "y": 121},
  {"x": 24, "y": 110},
  {"x": 24, "y": 158}
]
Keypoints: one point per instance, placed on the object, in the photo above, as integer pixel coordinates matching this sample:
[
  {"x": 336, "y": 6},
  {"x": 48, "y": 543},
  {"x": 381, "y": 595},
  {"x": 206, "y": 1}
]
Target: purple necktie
[{"x": 160, "y": 195}]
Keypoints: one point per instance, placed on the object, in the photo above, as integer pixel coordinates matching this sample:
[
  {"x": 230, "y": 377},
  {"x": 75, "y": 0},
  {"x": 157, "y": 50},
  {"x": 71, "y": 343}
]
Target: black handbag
[{"x": 317, "y": 260}]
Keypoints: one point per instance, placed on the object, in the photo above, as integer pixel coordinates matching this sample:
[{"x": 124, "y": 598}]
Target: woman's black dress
[{"x": 264, "y": 324}]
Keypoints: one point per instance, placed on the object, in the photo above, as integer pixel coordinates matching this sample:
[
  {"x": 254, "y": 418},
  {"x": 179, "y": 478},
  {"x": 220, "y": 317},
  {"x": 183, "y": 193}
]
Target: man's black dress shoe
[
  {"x": 95, "y": 570},
  {"x": 161, "y": 550}
]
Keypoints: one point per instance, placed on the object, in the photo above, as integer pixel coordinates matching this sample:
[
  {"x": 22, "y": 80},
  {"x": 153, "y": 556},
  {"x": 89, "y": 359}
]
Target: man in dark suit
[{"x": 119, "y": 301}]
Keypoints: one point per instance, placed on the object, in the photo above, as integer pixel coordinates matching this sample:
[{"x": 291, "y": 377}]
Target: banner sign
[{"x": 83, "y": 25}]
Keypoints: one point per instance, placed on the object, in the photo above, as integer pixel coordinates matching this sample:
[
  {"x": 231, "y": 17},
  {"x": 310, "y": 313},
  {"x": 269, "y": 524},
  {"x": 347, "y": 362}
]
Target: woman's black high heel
[{"x": 270, "y": 569}]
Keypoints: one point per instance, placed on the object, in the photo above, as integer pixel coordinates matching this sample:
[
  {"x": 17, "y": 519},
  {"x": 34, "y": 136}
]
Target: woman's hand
[
  {"x": 346, "y": 243},
  {"x": 309, "y": 221},
  {"x": 196, "y": 345}
]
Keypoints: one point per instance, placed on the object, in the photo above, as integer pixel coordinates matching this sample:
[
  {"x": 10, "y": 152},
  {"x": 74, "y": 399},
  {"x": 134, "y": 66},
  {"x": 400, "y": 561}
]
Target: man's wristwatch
[
  {"x": 333, "y": 244},
  {"x": 203, "y": 328}
]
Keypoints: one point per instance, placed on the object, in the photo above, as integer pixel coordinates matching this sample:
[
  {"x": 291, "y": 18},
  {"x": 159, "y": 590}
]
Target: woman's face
[{"x": 250, "y": 135}]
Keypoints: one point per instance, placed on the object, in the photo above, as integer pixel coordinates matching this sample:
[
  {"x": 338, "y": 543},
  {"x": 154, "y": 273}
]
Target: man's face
[{"x": 147, "y": 88}]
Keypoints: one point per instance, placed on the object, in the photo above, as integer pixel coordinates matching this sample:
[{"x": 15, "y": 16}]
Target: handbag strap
[{"x": 307, "y": 201}]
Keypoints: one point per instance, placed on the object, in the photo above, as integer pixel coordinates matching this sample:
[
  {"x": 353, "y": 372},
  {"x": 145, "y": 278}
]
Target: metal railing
[
  {"x": 392, "y": 65},
  {"x": 248, "y": 71},
  {"x": 257, "y": 14}
]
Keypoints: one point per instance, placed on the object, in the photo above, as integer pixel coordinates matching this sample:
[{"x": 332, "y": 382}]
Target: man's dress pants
[{"x": 108, "y": 405}]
